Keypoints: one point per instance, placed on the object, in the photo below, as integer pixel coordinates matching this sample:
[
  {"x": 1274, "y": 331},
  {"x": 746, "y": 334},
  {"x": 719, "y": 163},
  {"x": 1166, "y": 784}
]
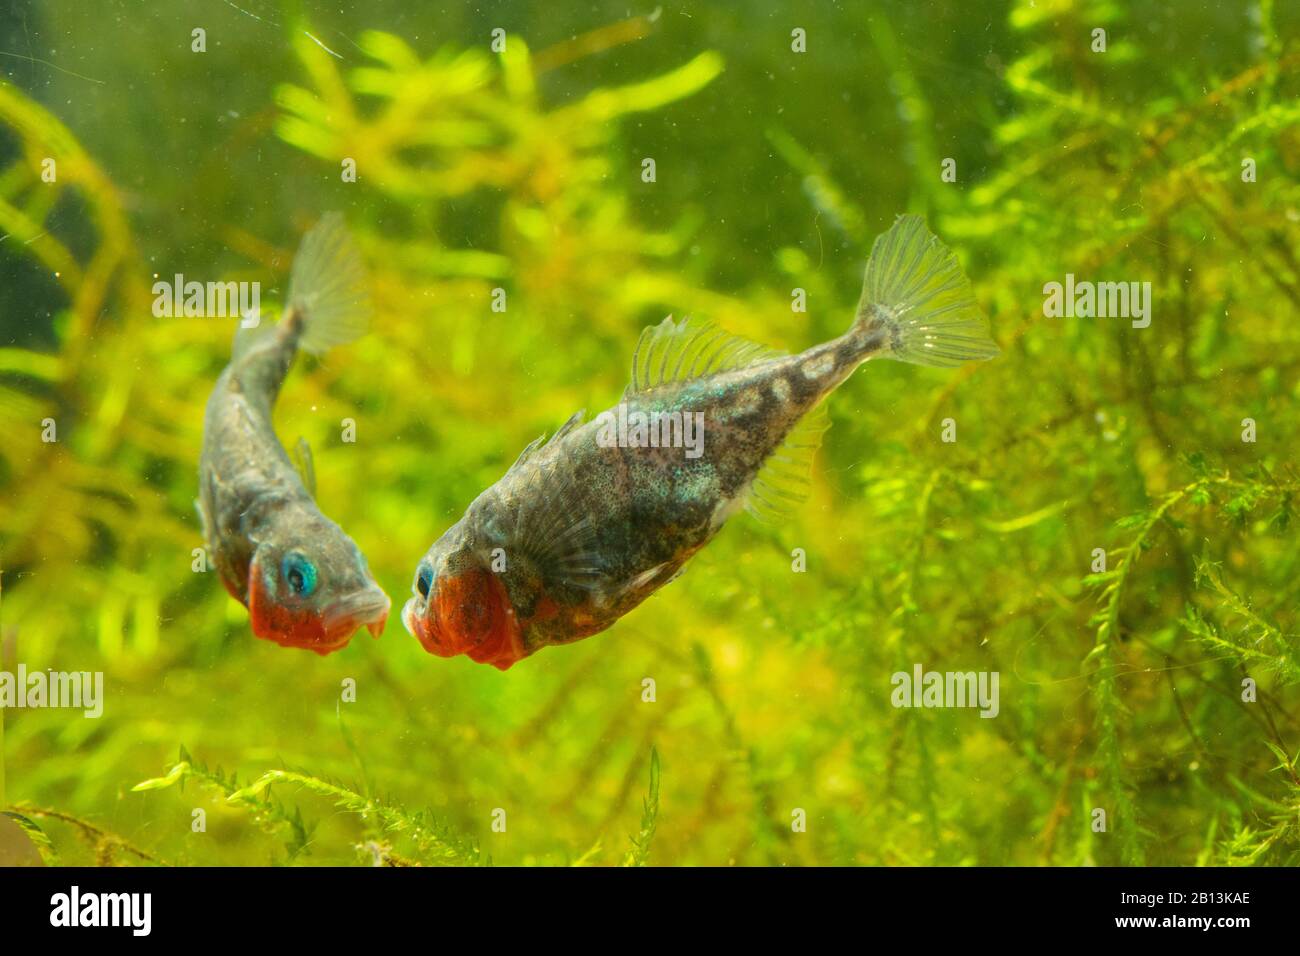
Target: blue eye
[
  {"x": 424, "y": 579},
  {"x": 299, "y": 573}
]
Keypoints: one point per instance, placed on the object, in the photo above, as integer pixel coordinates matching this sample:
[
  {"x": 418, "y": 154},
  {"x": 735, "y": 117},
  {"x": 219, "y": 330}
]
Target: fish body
[
  {"x": 585, "y": 527},
  {"x": 303, "y": 580}
]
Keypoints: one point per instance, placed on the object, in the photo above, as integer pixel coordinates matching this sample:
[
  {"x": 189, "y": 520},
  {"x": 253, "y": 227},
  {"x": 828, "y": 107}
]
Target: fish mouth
[
  {"x": 420, "y": 623},
  {"x": 416, "y": 627},
  {"x": 499, "y": 646},
  {"x": 368, "y": 609}
]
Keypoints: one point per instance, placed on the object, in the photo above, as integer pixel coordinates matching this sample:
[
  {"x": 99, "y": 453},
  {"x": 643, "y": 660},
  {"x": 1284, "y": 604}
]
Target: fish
[
  {"x": 305, "y": 583},
  {"x": 584, "y": 527}
]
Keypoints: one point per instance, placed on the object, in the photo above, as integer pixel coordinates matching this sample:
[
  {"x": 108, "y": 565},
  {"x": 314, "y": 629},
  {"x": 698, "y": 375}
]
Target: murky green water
[{"x": 1101, "y": 517}]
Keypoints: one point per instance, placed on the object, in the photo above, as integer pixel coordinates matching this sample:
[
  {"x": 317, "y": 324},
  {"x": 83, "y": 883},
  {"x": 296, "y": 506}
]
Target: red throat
[
  {"x": 285, "y": 626},
  {"x": 471, "y": 614}
]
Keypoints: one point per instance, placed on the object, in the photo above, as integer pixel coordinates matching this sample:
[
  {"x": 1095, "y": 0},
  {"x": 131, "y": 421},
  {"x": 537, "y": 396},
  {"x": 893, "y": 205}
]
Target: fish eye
[
  {"x": 424, "y": 579},
  {"x": 299, "y": 573}
]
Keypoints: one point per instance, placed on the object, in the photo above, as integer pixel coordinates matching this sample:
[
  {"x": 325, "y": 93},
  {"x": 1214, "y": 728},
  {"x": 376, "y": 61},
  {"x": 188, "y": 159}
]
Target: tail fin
[
  {"x": 328, "y": 286},
  {"x": 917, "y": 305}
]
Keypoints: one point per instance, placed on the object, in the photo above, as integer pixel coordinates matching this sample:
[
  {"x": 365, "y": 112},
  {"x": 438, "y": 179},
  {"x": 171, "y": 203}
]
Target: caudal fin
[
  {"x": 917, "y": 305},
  {"x": 328, "y": 286}
]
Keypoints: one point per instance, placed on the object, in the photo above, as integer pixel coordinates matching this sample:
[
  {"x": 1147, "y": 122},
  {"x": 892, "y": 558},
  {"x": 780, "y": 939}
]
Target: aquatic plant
[{"x": 1122, "y": 673}]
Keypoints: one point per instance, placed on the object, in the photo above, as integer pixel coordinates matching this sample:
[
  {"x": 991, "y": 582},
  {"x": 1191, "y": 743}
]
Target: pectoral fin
[{"x": 545, "y": 517}]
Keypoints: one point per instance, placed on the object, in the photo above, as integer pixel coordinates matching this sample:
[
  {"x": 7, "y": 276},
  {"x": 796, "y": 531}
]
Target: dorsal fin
[
  {"x": 541, "y": 441},
  {"x": 784, "y": 481},
  {"x": 574, "y": 421},
  {"x": 679, "y": 351},
  {"x": 527, "y": 453},
  {"x": 302, "y": 460}
]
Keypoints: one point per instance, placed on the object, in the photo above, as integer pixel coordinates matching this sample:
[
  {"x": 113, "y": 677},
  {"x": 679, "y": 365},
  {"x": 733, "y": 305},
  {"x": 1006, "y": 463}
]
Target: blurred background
[{"x": 1121, "y": 683}]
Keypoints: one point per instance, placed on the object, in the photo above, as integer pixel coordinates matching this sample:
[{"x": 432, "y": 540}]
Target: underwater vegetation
[{"x": 1103, "y": 515}]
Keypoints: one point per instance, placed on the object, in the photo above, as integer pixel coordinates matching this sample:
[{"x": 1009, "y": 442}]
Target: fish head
[
  {"x": 311, "y": 588},
  {"x": 459, "y": 605}
]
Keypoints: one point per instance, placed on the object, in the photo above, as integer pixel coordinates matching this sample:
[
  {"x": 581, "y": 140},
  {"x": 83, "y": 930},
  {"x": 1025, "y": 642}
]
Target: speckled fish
[
  {"x": 304, "y": 582},
  {"x": 585, "y": 527}
]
